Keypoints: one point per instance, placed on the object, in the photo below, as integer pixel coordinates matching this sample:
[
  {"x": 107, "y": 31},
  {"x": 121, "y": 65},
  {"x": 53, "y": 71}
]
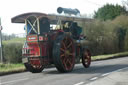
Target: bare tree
[{"x": 125, "y": 4}]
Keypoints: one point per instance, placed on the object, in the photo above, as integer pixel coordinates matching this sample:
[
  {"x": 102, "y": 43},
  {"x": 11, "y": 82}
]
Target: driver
[
  {"x": 66, "y": 26},
  {"x": 76, "y": 30}
]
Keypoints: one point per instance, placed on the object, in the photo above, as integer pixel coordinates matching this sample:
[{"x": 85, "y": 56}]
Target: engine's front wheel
[{"x": 86, "y": 58}]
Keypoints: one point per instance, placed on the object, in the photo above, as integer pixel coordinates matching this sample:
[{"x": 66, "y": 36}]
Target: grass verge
[
  {"x": 110, "y": 56},
  {"x": 14, "y": 68},
  {"x": 11, "y": 68},
  {"x": 14, "y": 40}
]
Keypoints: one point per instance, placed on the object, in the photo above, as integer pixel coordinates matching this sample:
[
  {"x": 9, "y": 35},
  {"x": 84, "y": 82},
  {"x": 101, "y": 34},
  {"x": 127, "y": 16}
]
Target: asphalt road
[{"x": 79, "y": 76}]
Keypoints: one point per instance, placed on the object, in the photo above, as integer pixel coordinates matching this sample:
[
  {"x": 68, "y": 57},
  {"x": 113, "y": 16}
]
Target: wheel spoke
[
  {"x": 70, "y": 54},
  {"x": 87, "y": 56},
  {"x": 64, "y": 45},
  {"x": 69, "y": 45},
  {"x": 64, "y": 58},
  {"x": 62, "y": 49},
  {"x": 69, "y": 62},
  {"x": 86, "y": 60},
  {"x": 62, "y": 55},
  {"x": 64, "y": 62}
]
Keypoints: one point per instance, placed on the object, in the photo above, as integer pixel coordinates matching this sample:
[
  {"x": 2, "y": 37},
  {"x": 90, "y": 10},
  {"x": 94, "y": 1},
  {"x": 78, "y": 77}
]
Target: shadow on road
[{"x": 90, "y": 70}]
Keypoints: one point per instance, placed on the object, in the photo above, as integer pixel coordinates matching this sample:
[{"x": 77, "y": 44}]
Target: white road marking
[
  {"x": 88, "y": 84},
  {"x": 119, "y": 70},
  {"x": 114, "y": 71},
  {"x": 105, "y": 74},
  {"x": 92, "y": 79},
  {"x": 0, "y": 81},
  {"x": 14, "y": 81},
  {"x": 79, "y": 83}
]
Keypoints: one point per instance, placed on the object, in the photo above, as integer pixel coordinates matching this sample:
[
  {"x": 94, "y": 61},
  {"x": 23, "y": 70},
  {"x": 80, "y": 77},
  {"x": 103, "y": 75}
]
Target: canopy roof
[{"x": 52, "y": 17}]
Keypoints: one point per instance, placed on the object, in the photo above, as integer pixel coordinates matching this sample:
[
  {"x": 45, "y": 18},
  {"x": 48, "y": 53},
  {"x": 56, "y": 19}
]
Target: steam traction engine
[{"x": 52, "y": 39}]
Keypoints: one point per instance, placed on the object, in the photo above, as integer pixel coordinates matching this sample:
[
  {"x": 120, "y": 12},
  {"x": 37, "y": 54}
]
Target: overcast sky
[{"x": 11, "y": 8}]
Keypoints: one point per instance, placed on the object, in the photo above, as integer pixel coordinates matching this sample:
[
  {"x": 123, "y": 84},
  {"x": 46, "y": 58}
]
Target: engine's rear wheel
[
  {"x": 64, "y": 53},
  {"x": 86, "y": 58},
  {"x": 32, "y": 69}
]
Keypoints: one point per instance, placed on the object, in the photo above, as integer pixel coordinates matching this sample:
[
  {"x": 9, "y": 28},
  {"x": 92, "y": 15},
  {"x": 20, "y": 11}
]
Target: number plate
[{"x": 24, "y": 60}]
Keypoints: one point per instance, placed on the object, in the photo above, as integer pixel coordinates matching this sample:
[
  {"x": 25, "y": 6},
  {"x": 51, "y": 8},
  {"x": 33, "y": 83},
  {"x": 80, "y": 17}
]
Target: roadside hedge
[
  {"x": 12, "y": 52},
  {"x": 107, "y": 37}
]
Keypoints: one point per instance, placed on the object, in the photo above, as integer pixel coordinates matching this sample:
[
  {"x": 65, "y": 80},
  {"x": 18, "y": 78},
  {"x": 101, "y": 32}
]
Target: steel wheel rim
[
  {"x": 87, "y": 58},
  {"x": 67, "y": 53}
]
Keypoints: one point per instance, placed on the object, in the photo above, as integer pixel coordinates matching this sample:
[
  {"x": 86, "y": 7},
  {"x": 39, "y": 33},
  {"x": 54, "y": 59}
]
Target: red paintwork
[
  {"x": 54, "y": 34},
  {"x": 35, "y": 61},
  {"x": 41, "y": 46},
  {"x": 35, "y": 49},
  {"x": 60, "y": 30},
  {"x": 44, "y": 48}
]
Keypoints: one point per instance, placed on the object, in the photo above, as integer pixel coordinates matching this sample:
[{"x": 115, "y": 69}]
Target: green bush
[
  {"x": 126, "y": 41},
  {"x": 12, "y": 52},
  {"x": 106, "y": 37},
  {"x": 102, "y": 40}
]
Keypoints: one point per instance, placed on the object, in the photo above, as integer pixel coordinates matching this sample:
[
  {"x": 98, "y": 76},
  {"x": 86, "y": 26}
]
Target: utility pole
[{"x": 1, "y": 43}]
